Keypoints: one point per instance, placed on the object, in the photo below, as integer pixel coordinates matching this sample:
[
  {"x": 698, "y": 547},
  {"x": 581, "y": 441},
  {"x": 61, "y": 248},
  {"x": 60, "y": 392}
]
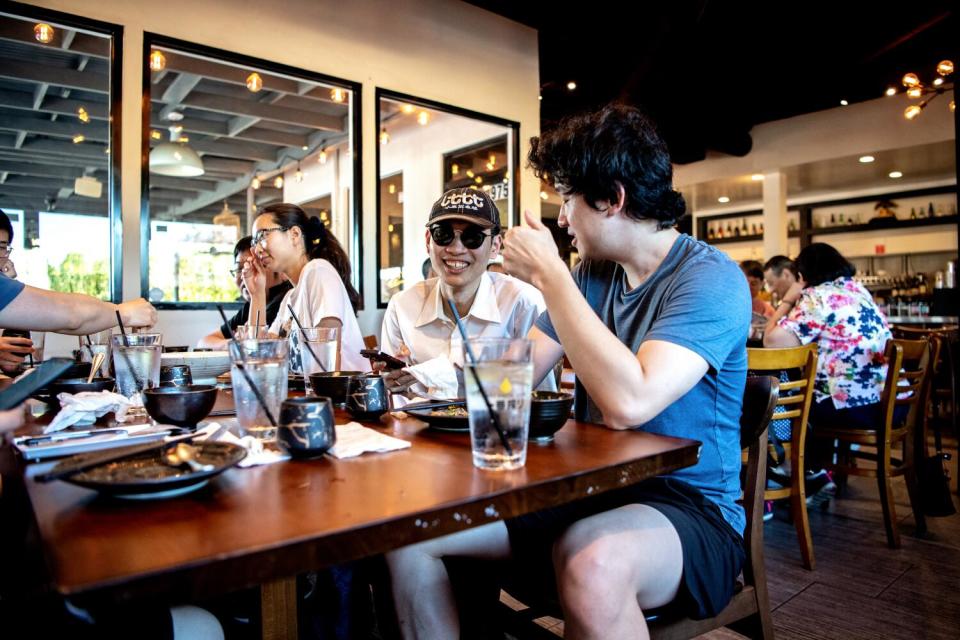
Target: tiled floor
[{"x": 860, "y": 590}]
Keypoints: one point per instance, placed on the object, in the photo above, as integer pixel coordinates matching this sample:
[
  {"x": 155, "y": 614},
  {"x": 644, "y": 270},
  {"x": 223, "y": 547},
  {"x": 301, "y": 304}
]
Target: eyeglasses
[
  {"x": 472, "y": 236},
  {"x": 260, "y": 237},
  {"x": 235, "y": 271},
  {"x": 5, "y": 250}
]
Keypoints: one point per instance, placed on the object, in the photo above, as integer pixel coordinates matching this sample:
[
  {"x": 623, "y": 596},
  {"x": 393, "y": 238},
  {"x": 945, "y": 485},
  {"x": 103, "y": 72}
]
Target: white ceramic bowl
[{"x": 203, "y": 364}]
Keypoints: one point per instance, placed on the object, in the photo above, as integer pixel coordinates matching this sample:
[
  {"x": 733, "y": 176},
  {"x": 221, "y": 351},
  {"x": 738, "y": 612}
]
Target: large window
[
  {"x": 425, "y": 148},
  {"x": 228, "y": 135},
  {"x": 59, "y": 125}
]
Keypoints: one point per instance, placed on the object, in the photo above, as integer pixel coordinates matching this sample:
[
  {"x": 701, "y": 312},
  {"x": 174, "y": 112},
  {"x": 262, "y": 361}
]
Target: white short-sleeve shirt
[
  {"x": 320, "y": 294},
  {"x": 504, "y": 307}
]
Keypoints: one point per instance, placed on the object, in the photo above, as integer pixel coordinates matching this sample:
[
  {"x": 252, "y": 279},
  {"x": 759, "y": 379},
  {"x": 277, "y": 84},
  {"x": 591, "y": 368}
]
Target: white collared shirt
[{"x": 504, "y": 307}]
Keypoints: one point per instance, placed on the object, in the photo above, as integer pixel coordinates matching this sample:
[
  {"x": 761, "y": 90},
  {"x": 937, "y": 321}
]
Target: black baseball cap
[{"x": 468, "y": 204}]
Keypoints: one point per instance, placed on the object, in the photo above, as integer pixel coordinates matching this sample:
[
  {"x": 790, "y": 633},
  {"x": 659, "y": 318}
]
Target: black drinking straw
[
  {"x": 256, "y": 327},
  {"x": 476, "y": 378},
  {"x": 243, "y": 369},
  {"x": 126, "y": 357},
  {"x": 304, "y": 338}
]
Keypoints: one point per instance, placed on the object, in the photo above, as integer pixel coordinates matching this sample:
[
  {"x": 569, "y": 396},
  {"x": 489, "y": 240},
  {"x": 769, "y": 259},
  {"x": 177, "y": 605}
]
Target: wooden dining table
[{"x": 265, "y": 525}]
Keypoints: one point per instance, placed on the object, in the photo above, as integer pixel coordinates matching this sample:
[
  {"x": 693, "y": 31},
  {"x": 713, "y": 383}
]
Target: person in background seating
[
  {"x": 754, "y": 275},
  {"x": 779, "y": 274}
]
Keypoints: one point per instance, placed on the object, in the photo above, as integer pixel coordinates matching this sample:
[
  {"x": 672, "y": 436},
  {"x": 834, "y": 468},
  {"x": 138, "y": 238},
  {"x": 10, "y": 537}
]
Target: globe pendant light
[{"x": 175, "y": 158}]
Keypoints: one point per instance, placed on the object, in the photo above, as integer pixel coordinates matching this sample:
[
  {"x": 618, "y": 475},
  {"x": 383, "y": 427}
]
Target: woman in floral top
[{"x": 829, "y": 307}]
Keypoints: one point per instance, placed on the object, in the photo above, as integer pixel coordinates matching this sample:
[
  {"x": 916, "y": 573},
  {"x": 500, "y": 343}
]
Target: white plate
[{"x": 203, "y": 364}]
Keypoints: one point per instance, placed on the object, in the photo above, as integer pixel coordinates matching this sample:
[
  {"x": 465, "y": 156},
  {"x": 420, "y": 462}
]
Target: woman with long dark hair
[{"x": 287, "y": 241}]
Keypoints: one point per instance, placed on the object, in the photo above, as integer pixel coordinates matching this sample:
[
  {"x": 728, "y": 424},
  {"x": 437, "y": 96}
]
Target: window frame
[
  {"x": 150, "y": 40},
  {"x": 114, "y": 177},
  {"x": 381, "y": 93}
]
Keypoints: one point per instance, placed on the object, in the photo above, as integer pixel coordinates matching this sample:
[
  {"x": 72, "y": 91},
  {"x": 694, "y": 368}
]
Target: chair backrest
[
  {"x": 795, "y": 395},
  {"x": 908, "y": 364},
  {"x": 759, "y": 398}
]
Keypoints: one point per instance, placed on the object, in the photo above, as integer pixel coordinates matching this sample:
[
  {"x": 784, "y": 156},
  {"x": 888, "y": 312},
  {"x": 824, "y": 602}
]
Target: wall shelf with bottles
[
  {"x": 884, "y": 224},
  {"x": 746, "y": 226}
]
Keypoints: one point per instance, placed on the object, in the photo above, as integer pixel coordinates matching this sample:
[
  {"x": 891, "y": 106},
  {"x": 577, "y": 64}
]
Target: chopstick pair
[{"x": 416, "y": 406}]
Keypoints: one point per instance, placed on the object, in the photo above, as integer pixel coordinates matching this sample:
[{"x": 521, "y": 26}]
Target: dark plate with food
[
  {"x": 151, "y": 476},
  {"x": 450, "y": 418}
]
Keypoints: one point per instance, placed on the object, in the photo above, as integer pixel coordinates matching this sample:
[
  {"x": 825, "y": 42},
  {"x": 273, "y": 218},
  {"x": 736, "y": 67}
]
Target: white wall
[{"x": 418, "y": 47}]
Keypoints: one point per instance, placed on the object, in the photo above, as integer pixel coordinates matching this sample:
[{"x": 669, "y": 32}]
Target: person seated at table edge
[
  {"x": 463, "y": 235},
  {"x": 15, "y": 344},
  {"x": 655, "y": 325},
  {"x": 753, "y": 272},
  {"x": 779, "y": 274},
  {"x": 277, "y": 287},
  {"x": 301, "y": 248}
]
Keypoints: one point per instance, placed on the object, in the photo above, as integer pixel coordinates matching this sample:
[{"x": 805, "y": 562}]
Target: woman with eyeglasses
[
  {"x": 463, "y": 235},
  {"x": 287, "y": 241}
]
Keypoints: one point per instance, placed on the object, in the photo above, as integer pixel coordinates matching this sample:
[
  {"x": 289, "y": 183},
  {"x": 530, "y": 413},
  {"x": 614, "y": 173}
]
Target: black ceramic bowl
[
  {"x": 332, "y": 384},
  {"x": 180, "y": 406},
  {"x": 175, "y": 375},
  {"x": 77, "y": 385},
  {"x": 549, "y": 411}
]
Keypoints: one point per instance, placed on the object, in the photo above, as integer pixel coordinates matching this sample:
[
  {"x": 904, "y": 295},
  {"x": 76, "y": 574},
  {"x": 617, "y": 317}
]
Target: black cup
[
  {"x": 175, "y": 375},
  {"x": 306, "y": 427},
  {"x": 367, "y": 397}
]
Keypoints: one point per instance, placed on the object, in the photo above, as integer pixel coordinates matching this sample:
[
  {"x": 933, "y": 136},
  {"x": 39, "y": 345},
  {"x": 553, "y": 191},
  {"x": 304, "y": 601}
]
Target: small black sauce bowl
[
  {"x": 306, "y": 426},
  {"x": 549, "y": 411},
  {"x": 175, "y": 375},
  {"x": 332, "y": 384},
  {"x": 180, "y": 406},
  {"x": 367, "y": 397}
]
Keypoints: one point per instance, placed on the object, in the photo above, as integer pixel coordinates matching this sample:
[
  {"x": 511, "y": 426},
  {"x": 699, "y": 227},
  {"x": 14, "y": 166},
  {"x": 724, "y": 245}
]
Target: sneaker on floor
[
  {"x": 768, "y": 511},
  {"x": 817, "y": 482}
]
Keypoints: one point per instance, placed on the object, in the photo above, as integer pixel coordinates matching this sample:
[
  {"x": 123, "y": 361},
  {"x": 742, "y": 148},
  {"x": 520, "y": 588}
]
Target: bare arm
[
  {"x": 213, "y": 340},
  {"x": 546, "y": 352},
  {"x": 72, "y": 313},
  {"x": 628, "y": 388},
  {"x": 773, "y": 334}
]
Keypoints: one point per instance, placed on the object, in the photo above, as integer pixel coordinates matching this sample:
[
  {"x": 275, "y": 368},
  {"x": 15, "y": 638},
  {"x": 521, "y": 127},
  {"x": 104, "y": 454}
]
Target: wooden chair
[
  {"x": 795, "y": 397},
  {"x": 749, "y": 610},
  {"x": 909, "y": 361}
]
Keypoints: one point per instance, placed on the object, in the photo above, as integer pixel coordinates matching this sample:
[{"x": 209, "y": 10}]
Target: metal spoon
[
  {"x": 95, "y": 366},
  {"x": 185, "y": 454}
]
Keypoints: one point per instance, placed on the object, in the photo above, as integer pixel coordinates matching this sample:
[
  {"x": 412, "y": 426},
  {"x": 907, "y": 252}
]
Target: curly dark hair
[
  {"x": 318, "y": 241},
  {"x": 591, "y": 154},
  {"x": 819, "y": 263}
]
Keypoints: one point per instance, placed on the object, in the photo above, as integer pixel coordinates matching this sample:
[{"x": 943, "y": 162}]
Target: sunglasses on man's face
[{"x": 472, "y": 235}]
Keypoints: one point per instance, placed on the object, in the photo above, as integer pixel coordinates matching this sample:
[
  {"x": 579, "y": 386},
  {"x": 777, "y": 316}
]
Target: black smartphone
[
  {"x": 380, "y": 356},
  {"x": 43, "y": 375}
]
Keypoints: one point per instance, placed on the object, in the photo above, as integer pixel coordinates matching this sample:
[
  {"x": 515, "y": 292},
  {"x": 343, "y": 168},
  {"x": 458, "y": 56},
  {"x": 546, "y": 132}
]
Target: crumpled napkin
[
  {"x": 257, "y": 453},
  {"x": 436, "y": 379},
  {"x": 85, "y": 407},
  {"x": 354, "y": 439}
]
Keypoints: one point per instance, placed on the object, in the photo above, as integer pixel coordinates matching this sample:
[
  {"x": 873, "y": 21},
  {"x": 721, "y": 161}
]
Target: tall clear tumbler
[
  {"x": 136, "y": 362},
  {"x": 322, "y": 342},
  {"x": 96, "y": 343},
  {"x": 504, "y": 370},
  {"x": 264, "y": 363}
]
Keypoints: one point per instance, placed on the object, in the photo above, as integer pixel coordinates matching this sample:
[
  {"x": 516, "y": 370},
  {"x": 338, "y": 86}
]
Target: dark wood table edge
[{"x": 206, "y": 578}]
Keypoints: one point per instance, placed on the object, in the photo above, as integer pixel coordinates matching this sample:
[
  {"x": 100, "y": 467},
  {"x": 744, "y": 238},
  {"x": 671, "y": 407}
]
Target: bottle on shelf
[
  {"x": 833, "y": 219},
  {"x": 720, "y": 231},
  {"x": 743, "y": 227},
  {"x": 840, "y": 220},
  {"x": 791, "y": 226},
  {"x": 753, "y": 229},
  {"x": 930, "y": 213},
  {"x": 710, "y": 233},
  {"x": 913, "y": 213},
  {"x": 939, "y": 212},
  {"x": 728, "y": 233}
]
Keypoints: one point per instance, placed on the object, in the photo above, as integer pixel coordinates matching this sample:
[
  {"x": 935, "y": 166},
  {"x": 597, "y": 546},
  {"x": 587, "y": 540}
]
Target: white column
[{"x": 774, "y": 214}]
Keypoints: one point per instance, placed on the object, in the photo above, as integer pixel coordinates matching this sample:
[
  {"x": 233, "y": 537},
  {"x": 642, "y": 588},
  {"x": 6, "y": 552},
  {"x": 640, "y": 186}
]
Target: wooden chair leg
[
  {"x": 278, "y": 609},
  {"x": 798, "y": 513},
  {"x": 913, "y": 489},
  {"x": 758, "y": 626},
  {"x": 886, "y": 498}
]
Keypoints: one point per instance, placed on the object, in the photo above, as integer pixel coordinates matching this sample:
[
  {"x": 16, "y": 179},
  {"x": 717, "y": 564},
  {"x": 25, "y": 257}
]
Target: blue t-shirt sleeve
[
  {"x": 708, "y": 312},
  {"x": 543, "y": 322},
  {"x": 9, "y": 289}
]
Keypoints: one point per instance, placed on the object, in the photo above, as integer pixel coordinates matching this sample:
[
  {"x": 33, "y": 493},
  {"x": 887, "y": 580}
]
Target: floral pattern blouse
[{"x": 851, "y": 334}]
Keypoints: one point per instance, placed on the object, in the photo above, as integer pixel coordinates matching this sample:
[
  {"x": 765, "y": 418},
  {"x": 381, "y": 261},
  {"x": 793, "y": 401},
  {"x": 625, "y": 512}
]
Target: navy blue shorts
[{"x": 713, "y": 553}]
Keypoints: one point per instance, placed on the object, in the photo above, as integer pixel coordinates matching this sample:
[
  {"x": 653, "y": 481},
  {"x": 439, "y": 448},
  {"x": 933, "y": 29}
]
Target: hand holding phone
[{"x": 389, "y": 361}]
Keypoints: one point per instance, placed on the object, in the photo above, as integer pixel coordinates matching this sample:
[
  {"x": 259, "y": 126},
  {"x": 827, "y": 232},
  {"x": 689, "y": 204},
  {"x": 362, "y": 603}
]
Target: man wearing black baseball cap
[{"x": 463, "y": 235}]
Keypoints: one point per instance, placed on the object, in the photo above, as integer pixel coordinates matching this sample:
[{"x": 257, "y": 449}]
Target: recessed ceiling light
[
  {"x": 571, "y": 85},
  {"x": 891, "y": 91},
  {"x": 844, "y": 103},
  {"x": 723, "y": 199},
  {"x": 867, "y": 159},
  {"x": 896, "y": 174},
  {"x": 757, "y": 177}
]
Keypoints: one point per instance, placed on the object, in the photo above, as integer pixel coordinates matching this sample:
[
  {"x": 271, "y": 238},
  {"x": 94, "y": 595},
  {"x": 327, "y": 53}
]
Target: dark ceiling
[{"x": 707, "y": 72}]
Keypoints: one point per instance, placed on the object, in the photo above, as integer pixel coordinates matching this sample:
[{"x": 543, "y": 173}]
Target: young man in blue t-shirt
[{"x": 655, "y": 324}]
